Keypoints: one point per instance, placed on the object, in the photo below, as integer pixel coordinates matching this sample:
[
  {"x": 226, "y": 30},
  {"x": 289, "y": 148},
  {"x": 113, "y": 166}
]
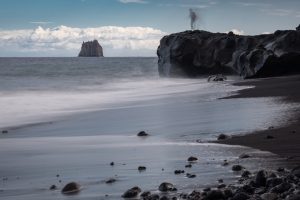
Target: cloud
[
  {"x": 247, "y": 4},
  {"x": 237, "y": 31},
  {"x": 133, "y": 1},
  {"x": 68, "y": 39}
]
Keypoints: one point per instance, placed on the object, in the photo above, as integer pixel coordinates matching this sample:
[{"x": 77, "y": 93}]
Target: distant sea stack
[
  {"x": 91, "y": 49},
  {"x": 200, "y": 53}
]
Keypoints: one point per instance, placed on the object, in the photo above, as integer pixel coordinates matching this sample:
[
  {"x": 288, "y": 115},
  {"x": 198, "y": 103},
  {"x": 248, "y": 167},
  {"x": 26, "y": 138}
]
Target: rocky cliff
[
  {"x": 91, "y": 49},
  {"x": 197, "y": 53}
]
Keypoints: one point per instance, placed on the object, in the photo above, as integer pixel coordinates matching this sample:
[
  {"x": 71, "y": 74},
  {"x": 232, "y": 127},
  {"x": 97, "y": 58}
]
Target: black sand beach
[{"x": 283, "y": 141}]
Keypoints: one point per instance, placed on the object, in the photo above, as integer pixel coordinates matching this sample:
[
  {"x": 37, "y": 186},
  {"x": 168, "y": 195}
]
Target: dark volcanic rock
[
  {"x": 131, "y": 193},
  {"x": 71, "y": 188},
  {"x": 91, "y": 49},
  {"x": 261, "y": 178},
  {"x": 198, "y": 53},
  {"x": 222, "y": 137}
]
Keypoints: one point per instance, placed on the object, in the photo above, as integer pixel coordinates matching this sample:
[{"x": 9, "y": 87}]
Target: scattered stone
[
  {"x": 112, "y": 164},
  {"x": 164, "y": 198},
  {"x": 283, "y": 187},
  {"x": 141, "y": 168},
  {"x": 216, "y": 78},
  {"x": 145, "y": 194},
  {"x": 190, "y": 175},
  {"x": 280, "y": 169},
  {"x": 246, "y": 174},
  {"x": 269, "y": 196},
  {"x": 57, "y": 175},
  {"x": 110, "y": 181},
  {"x": 178, "y": 171},
  {"x": 188, "y": 166},
  {"x": 221, "y": 186},
  {"x": 269, "y": 137},
  {"x": 53, "y": 187},
  {"x": 132, "y": 193},
  {"x": 271, "y": 127},
  {"x": 296, "y": 170},
  {"x": 225, "y": 163},
  {"x": 142, "y": 134},
  {"x": 272, "y": 182},
  {"x": 207, "y": 189},
  {"x": 192, "y": 159},
  {"x": 237, "y": 168},
  {"x": 220, "y": 181},
  {"x": 71, "y": 188},
  {"x": 242, "y": 156},
  {"x": 166, "y": 187},
  {"x": 240, "y": 196},
  {"x": 222, "y": 137},
  {"x": 4, "y": 131},
  {"x": 228, "y": 193},
  {"x": 215, "y": 194},
  {"x": 261, "y": 178}
]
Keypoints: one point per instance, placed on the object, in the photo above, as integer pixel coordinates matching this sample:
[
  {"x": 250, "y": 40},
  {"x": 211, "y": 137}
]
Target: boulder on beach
[
  {"x": 223, "y": 136},
  {"x": 200, "y": 53},
  {"x": 166, "y": 187},
  {"x": 71, "y": 188},
  {"x": 132, "y": 193},
  {"x": 91, "y": 49},
  {"x": 141, "y": 168},
  {"x": 216, "y": 78},
  {"x": 237, "y": 168}
]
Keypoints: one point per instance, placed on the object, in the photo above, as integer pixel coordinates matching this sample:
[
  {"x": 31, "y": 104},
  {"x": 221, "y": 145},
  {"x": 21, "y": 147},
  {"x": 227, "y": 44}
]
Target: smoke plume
[{"x": 194, "y": 17}]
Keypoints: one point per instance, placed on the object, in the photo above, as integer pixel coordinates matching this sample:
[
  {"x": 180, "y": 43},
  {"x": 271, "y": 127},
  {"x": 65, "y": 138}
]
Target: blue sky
[{"x": 52, "y": 27}]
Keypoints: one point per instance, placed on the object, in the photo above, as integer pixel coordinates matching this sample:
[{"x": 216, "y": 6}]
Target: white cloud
[
  {"x": 66, "y": 39},
  {"x": 238, "y": 32},
  {"x": 133, "y": 1}
]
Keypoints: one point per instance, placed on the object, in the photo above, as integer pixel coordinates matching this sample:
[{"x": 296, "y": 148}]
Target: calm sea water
[{"x": 73, "y": 116}]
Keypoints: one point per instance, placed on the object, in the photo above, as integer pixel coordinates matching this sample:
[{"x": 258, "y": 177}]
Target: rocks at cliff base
[
  {"x": 216, "y": 78},
  {"x": 199, "y": 53},
  {"x": 91, "y": 49}
]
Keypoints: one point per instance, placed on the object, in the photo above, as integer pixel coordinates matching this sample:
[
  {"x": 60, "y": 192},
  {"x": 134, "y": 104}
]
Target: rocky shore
[
  {"x": 260, "y": 185},
  {"x": 201, "y": 53}
]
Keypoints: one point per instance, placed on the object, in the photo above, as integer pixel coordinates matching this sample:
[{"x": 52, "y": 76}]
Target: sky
[{"x": 129, "y": 27}]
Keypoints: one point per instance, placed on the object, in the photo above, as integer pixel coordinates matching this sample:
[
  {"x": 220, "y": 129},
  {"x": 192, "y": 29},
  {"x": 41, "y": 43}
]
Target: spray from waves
[{"x": 194, "y": 17}]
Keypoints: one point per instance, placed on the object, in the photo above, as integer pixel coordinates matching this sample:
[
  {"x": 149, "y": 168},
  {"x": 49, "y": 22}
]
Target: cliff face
[
  {"x": 91, "y": 49},
  {"x": 196, "y": 53}
]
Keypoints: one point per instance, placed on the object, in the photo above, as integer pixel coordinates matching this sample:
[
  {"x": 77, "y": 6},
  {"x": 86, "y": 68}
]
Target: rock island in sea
[{"x": 91, "y": 49}]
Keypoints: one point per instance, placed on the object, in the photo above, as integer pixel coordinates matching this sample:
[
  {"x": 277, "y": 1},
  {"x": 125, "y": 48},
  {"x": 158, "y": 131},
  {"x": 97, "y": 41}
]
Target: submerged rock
[
  {"x": 71, "y": 188},
  {"x": 91, "y": 49},
  {"x": 199, "y": 53}
]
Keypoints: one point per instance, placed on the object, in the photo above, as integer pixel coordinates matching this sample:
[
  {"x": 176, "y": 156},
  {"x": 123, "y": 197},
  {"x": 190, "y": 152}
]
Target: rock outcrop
[
  {"x": 91, "y": 49},
  {"x": 199, "y": 53}
]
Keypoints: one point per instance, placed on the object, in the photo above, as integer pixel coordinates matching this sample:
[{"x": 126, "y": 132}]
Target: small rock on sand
[
  {"x": 188, "y": 166},
  {"x": 142, "y": 134},
  {"x": 112, "y": 164},
  {"x": 132, "y": 193},
  {"x": 4, "y": 131},
  {"x": 190, "y": 175},
  {"x": 192, "y": 159},
  {"x": 269, "y": 137},
  {"x": 111, "y": 180},
  {"x": 53, "y": 187},
  {"x": 141, "y": 168},
  {"x": 222, "y": 137},
  {"x": 71, "y": 188},
  {"x": 178, "y": 171}
]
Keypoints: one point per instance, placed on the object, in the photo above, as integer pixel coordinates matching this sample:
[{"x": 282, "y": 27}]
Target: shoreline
[{"x": 283, "y": 141}]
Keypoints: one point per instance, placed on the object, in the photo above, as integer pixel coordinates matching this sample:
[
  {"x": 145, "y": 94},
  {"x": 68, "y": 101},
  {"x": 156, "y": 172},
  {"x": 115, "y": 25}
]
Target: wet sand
[{"x": 284, "y": 141}]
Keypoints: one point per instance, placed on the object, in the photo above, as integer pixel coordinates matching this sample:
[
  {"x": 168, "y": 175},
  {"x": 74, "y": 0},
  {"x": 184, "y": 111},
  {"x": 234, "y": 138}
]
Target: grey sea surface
[{"x": 72, "y": 117}]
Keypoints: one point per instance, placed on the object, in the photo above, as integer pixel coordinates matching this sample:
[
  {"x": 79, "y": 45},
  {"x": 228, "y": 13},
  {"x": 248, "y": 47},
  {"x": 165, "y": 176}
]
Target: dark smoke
[{"x": 194, "y": 17}]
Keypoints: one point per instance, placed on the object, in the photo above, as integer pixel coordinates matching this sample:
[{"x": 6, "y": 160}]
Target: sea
[{"x": 67, "y": 119}]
